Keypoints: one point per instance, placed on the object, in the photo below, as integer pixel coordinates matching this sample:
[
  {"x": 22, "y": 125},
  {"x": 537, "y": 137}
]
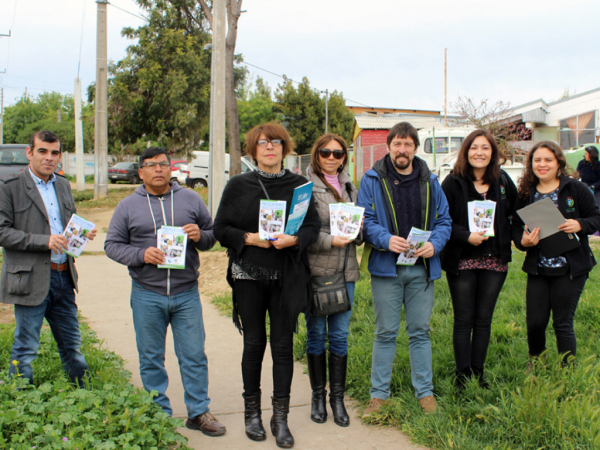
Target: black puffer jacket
[
  {"x": 459, "y": 191},
  {"x": 575, "y": 201}
]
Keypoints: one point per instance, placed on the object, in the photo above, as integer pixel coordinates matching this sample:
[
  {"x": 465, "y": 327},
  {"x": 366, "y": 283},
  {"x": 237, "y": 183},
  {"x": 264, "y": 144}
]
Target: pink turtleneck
[{"x": 334, "y": 181}]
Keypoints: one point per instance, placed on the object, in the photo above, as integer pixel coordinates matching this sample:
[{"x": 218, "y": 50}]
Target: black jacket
[
  {"x": 575, "y": 201},
  {"x": 458, "y": 192},
  {"x": 238, "y": 214}
]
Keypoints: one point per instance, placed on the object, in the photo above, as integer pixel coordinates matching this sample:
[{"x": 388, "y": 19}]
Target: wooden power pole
[{"x": 101, "y": 122}]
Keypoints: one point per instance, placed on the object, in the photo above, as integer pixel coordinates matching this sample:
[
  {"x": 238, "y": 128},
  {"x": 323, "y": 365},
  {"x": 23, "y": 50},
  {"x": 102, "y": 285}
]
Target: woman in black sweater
[
  {"x": 476, "y": 265},
  {"x": 589, "y": 171},
  {"x": 266, "y": 276},
  {"x": 554, "y": 284}
]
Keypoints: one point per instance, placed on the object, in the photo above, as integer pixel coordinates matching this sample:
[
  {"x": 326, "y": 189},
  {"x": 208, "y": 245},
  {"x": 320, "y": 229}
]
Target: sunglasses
[{"x": 326, "y": 153}]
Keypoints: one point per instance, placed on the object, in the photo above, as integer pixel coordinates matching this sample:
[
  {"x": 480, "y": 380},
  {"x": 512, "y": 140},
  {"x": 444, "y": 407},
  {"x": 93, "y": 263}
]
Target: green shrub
[{"x": 109, "y": 414}]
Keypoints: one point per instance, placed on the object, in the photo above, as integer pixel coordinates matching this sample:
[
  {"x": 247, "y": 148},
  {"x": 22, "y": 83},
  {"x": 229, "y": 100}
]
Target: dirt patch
[
  {"x": 213, "y": 269},
  {"x": 6, "y": 313},
  {"x": 100, "y": 216}
]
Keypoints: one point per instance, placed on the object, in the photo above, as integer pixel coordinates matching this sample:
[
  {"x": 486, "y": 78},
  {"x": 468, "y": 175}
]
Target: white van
[
  {"x": 199, "y": 171},
  {"x": 447, "y": 141}
]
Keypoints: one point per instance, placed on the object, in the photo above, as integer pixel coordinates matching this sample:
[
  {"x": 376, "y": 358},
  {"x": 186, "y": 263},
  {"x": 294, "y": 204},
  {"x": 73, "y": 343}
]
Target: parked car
[
  {"x": 175, "y": 168},
  {"x": 198, "y": 168},
  {"x": 182, "y": 174},
  {"x": 124, "y": 171},
  {"x": 13, "y": 159}
]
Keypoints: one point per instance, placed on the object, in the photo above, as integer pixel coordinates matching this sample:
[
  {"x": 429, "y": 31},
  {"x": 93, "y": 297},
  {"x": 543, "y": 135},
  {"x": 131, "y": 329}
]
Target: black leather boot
[
  {"x": 462, "y": 377},
  {"x": 279, "y": 425},
  {"x": 337, "y": 385},
  {"x": 478, "y": 373},
  {"x": 318, "y": 379},
  {"x": 252, "y": 418}
]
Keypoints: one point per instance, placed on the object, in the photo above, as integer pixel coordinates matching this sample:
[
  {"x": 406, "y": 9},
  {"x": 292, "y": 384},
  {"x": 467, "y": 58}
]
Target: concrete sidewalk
[{"x": 104, "y": 300}]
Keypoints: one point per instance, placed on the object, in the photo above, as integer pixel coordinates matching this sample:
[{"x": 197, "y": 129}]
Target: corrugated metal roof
[{"x": 387, "y": 121}]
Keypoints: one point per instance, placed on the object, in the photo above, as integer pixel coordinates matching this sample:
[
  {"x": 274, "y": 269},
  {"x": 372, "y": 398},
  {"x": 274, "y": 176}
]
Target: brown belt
[{"x": 59, "y": 267}]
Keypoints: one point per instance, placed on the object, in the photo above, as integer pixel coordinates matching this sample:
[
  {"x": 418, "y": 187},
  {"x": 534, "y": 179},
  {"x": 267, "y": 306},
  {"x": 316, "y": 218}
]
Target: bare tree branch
[{"x": 207, "y": 12}]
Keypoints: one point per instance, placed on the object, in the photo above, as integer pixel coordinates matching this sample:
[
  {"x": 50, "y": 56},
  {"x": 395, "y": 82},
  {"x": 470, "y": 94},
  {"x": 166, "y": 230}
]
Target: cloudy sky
[{"x": 389, "y": 53}]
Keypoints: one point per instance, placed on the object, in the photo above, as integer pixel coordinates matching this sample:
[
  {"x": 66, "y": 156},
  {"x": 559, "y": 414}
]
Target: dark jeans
[
  {"x": 60, "y": 311},
  {"x": 557, "y": 294},
  {"x": 254, "y": 299},
  {"x": 474, "y": 294}
]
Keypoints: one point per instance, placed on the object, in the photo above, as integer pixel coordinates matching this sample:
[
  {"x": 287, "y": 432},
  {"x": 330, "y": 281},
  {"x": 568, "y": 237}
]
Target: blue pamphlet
[{"x": 300, "y": 202}]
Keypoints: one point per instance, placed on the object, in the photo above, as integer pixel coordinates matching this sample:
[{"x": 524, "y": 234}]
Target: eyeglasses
[
  {"x": 152, "y": 165},
  {"x": 326, "y": 153},
  {"x": 274, "y": 142}
]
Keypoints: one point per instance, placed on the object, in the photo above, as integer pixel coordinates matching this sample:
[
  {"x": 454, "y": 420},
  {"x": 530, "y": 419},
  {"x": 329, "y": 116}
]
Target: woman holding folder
[
  {"x": 329, "y": 157},
  {"x": 266, "y": 275},
  {"x": 554, "y": 282},
  {"x": 476, "y": 264}
]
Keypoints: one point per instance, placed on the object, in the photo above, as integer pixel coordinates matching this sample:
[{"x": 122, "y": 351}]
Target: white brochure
[
  {"x": 76, "y": 233},
  {"x": 271, "y": 220},
  {"x": 481, "y": 216},
  {"x": 172, "y": 241},
  {"x": 416, "y": 239}
]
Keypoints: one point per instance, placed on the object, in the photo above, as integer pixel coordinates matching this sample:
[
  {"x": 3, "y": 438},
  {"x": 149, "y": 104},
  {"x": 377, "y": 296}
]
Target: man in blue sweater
[
  {"x": 163, "y": 297},
  {"x": 400, "y": 193}
]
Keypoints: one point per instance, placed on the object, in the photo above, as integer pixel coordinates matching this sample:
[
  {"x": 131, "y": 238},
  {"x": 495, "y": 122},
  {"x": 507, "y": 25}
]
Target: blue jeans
[
  {"x": 60, "y": 311},
  {"x": 408, "y": 287},
  {"x": 152, "y": 314},
  {"x": 337, "y": 324}
]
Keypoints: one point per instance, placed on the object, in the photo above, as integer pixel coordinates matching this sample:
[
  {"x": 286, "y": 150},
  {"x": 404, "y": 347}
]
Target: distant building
[{"x": 572, "y": 121}]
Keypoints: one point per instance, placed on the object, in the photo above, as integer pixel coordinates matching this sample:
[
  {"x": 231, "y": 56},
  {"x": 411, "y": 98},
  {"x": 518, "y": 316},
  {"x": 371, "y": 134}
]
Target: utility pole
[
  {"x": 79, "y": 138},
  {"x": 217, "y": 171},
  {"x": 445, "y": 88},
  {"x": 1, "y": 116},
  {"x": 101, "y": 131}
]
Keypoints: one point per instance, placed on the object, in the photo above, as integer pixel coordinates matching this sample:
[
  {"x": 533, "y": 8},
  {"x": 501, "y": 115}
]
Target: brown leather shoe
[
  {"x": 428, "y": 404},
  {"x": 207, "y": 423},
  {"x": 373, "y": 406}
]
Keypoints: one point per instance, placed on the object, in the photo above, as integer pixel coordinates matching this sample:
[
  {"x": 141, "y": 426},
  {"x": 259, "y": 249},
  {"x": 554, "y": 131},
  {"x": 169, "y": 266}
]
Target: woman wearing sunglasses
[
  {"x": 329, "y": 157},
  {"x": 266, "y": 276}
]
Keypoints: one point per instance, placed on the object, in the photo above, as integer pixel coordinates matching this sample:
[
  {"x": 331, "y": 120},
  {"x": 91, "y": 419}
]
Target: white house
[{"x": 572, "y": 122}]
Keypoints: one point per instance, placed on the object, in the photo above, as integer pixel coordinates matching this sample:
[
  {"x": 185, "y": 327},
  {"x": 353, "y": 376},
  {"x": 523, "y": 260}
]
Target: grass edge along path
[
  {"x": 549, "y": 408},
  {"x": 110, "y": 414}
]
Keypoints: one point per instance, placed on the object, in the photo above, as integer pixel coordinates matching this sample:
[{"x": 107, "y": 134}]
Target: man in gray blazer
[{"x": 37, "y": 276}]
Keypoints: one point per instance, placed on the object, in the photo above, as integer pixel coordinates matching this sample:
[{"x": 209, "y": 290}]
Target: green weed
[{"x": 109, "y": 414}]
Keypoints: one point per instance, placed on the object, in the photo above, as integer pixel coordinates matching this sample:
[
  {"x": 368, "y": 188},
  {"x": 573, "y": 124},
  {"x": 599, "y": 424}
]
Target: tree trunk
[{"x": 231, "y": 108}]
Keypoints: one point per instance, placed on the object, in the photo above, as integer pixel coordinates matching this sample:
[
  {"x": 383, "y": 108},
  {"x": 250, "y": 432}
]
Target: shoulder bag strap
[{"x": 262, "y": 185}]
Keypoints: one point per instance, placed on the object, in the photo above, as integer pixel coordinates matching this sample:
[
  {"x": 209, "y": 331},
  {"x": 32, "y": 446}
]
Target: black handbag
[{"x": 328, "y": 294}]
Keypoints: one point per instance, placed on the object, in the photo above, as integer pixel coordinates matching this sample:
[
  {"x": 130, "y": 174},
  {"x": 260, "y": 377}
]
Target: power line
[
  {"x": 81, "y": 38},
  {"x": 14, "y": 16},
  {"x": 129, "y": 12},
  {"x": 297, "y": 82}
]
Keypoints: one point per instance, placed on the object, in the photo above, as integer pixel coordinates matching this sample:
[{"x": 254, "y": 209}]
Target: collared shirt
[{"x": 48, "y": 194}]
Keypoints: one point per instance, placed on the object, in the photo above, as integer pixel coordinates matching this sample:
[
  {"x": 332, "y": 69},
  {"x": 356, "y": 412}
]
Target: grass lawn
[{"x": 550, "y": 408}]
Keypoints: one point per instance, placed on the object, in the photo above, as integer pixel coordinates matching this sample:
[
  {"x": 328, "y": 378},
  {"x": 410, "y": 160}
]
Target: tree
[
  {"x": 161, "y": 89},
  {"x": 255, "y": 106},
  {"x": 303, "y": 110},
  {"x": 48, "y": 111},
  {"x": 494, "y": 118},
  {"x": 234, "y": 10}
]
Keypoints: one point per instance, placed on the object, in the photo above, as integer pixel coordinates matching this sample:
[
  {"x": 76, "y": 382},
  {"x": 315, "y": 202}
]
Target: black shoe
[
  {"x": 279, "y": 425},
  {"x": 252, "y": 418},
  {"x": 317, "y": 372},
  {"x": 478, "y": 373},
  {"x": 462, "y": 378},
  {"x": 337, "y": 385}
]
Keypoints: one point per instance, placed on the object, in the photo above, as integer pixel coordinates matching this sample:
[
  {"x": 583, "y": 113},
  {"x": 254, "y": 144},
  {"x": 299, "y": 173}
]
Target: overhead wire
[
  {"x": 139, "y": 16},
  {"x": 81, "y": 38}
]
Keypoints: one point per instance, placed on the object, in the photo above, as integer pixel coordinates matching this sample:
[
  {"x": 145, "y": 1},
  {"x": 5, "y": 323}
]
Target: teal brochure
[{"x": 300, "y": 203}]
